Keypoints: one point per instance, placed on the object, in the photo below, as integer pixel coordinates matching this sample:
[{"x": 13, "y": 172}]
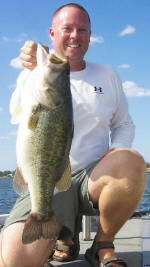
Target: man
[{"x": 106, "y": 180}]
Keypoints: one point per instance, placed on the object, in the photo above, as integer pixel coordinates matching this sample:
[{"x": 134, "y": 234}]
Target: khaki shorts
[{"x": 67, "y": 205}]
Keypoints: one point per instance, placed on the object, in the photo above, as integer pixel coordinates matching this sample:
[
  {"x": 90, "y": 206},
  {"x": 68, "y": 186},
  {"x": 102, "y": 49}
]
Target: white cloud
[
  {"x": 124, "y": 66},
  {"x": 1, "y": 109},
  {"x": 133, "y": 90},
  {"x": 96, "y": 39},
  {"x": 20, "y": 38},
  {"x": 3, "y": 137},
  {"x": 16, "y": 63},
  {"x": 128, "y": 30},
  {"x": 13, "y": 133},
  {"x": 12, "y": 86},
  {"x": 7, "y": 137},
  {"x": 5, "y": 39}
]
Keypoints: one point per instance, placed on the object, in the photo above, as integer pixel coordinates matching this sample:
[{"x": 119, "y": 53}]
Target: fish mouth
[
  {"x": 58, "y": 63},
  {"x": 57, "y": 59}
]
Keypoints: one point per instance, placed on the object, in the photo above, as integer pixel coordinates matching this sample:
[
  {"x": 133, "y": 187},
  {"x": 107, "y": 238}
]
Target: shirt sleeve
[
  {"x": 122, "y": 127},
  {"x": 15, "y": 101}
]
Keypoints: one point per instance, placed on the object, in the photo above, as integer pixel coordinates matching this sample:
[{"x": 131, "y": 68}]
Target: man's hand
[{"x": 28, "y": 55}]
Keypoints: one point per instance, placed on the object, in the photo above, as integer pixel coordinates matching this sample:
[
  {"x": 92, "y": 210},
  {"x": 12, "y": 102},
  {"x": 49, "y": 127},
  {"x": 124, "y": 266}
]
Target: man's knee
[
  {"x": 120, "y": 163},
  {"x": 13, "y": 253},
  {"x": 138, "y": 161},
  {"x": 133, "y": 164},
  {"x": 128, "y": 160},
  {"x": 131, "y": 168}
]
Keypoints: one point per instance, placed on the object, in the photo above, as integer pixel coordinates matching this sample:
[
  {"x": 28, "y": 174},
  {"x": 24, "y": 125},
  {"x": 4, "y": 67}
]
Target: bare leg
[
  {"x": 13, "y": 253},
  {"x": 117, "y": 185}
]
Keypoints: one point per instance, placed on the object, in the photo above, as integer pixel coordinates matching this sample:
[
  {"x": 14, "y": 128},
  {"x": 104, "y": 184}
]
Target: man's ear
[
  {"x": 51, "y": 33},
  {"x": 90, "y": 36}
]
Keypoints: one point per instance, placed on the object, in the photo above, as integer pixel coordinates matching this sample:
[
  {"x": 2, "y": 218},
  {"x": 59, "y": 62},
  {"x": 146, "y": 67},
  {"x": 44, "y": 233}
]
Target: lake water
[{"x": 8, "y": 196}]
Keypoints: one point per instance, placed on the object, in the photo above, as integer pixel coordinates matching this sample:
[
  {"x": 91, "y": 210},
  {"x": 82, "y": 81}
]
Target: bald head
[{"x": 70, "y": 5}]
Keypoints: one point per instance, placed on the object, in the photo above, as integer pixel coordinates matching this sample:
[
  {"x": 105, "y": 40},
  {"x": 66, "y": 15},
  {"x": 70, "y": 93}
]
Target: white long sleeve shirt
[{"x": 101, "y": 119}]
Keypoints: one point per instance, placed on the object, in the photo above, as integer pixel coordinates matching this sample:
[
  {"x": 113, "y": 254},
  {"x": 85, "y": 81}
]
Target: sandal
[
  {"x": 108, "y": 262},
  {"x": 92, "y": 257},
  {"x": 71, "y": 250},
  {"x": 48, "y": 264}
]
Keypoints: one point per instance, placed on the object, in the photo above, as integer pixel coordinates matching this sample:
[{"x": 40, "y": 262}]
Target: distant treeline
[
  {"x": 11, "y": 173},
  {"x": 148, "y": 165},
  {"x": 7, "y": 173}
]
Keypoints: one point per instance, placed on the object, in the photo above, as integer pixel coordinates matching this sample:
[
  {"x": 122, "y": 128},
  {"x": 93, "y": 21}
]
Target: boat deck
[{"x": 132, "y": 244}]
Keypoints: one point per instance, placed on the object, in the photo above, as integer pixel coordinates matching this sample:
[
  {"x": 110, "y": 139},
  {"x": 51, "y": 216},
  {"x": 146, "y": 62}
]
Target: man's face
[{"x": 70, "y": 33}]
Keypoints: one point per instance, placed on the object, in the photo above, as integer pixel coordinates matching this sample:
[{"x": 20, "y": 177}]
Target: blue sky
[{"x": 120, "y": 37}]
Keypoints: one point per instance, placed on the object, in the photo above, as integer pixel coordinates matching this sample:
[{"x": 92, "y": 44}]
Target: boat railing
[{"x": 86, "y": 223}]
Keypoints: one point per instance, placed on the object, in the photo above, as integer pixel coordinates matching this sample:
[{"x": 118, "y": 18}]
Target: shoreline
[{"x": 5, "y": 177}]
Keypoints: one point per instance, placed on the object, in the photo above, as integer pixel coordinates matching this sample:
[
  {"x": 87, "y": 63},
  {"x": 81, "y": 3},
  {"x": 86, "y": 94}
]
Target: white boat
[{"x": 132, "y": 243}]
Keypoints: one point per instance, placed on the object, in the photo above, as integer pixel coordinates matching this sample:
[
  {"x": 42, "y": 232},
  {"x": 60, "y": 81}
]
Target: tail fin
[{"x": 35, "y": 229}]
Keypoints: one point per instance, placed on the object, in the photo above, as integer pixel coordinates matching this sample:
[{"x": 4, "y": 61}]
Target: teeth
[{"x": 73, "y": 46}]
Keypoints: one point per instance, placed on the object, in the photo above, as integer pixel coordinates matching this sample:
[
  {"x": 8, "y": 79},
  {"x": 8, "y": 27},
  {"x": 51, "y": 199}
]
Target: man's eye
[
  {"x": 82, "y": 30},
  {"x": 66, "y": 29}
]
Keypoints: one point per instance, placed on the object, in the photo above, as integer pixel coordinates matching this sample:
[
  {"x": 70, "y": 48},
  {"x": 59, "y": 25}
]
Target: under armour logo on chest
[{"x": 98, "y": 89}]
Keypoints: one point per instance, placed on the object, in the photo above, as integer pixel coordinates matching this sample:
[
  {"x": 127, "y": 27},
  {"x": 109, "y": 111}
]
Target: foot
[
  {"x": 102, "y": 254},
  {"x": 62, "y": 254},
  {"x": 107, "y": 254}
]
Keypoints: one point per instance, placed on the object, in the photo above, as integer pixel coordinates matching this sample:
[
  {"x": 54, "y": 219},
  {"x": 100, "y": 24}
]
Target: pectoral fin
[
  {"x": 19, "y": 184},
  {"x": 34, "y": 116},
  {"x": 65, "y": 182}
]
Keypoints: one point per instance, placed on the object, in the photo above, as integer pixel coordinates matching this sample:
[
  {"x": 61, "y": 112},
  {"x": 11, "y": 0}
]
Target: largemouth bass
[{"x": 44, "y": 142}]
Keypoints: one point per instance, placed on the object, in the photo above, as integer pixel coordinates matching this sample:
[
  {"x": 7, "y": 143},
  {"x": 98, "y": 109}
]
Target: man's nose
[{"x": 74, "y": 33}]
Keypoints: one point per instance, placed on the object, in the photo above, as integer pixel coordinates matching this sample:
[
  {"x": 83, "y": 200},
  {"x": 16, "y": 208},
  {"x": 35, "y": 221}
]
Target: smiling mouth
[{"x": 73, "y": 46}]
